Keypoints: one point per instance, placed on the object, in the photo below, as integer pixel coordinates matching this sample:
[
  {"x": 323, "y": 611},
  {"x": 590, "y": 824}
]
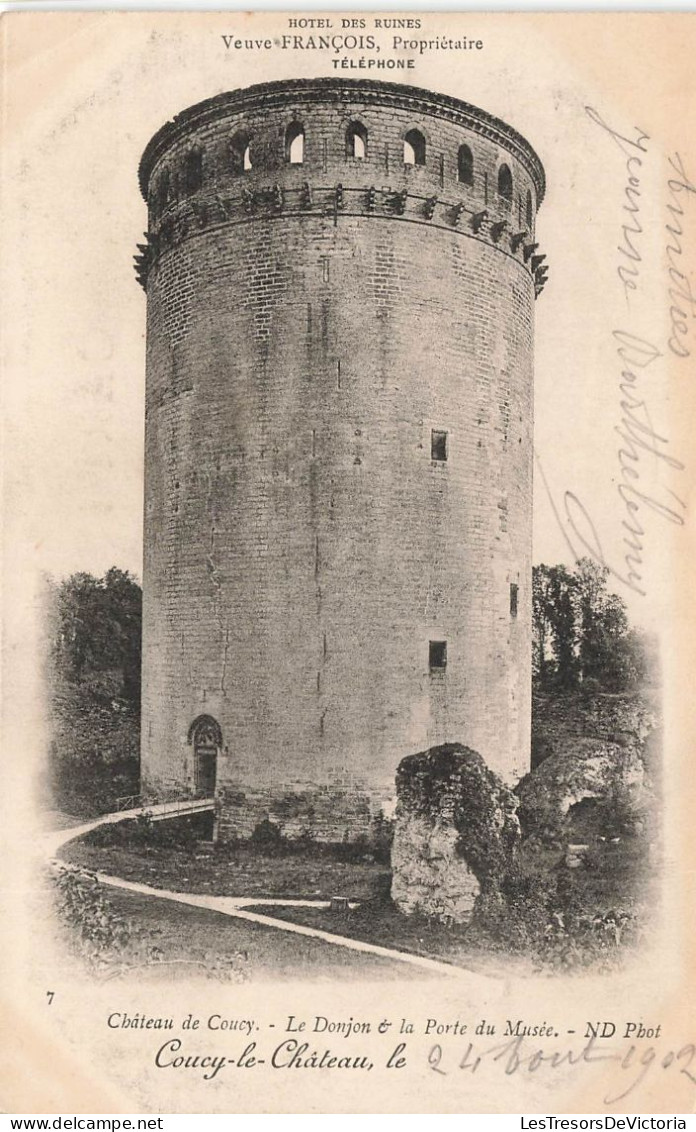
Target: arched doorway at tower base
[{"x": 205, "y": 736}]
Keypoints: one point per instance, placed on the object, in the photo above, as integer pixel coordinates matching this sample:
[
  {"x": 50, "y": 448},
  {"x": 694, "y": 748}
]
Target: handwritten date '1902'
[{"x": 633, "y": 1064}]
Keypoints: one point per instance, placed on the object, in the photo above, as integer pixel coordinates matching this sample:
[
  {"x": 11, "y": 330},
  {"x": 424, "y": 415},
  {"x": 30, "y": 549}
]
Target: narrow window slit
[
  {"x": 438, "y": 445},
  {"x": 514, "y": 589},
  {"x": 437, "y": 655}
]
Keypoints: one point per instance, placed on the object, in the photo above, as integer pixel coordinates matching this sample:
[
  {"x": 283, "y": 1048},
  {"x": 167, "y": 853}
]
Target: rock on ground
[{"x": 455, "y": 831}]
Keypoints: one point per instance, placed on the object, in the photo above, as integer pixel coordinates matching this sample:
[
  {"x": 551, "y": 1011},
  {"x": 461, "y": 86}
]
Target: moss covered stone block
[{"x": 455, "y": 833}]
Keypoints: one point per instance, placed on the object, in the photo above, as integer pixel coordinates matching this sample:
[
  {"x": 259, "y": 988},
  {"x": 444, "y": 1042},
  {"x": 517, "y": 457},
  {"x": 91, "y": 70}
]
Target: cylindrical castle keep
[{"x": 340, "y": 281}]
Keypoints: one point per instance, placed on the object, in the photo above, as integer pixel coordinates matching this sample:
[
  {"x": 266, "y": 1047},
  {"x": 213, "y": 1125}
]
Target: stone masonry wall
[
  {"x": 559, "y": 720},
  {"x": 302, "y": 548}
]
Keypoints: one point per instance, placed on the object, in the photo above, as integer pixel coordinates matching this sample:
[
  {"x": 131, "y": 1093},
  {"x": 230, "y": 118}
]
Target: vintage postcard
[{"x": 348, "y": 384}]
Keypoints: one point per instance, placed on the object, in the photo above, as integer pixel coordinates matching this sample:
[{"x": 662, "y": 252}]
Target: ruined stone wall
[
  {"x": 302, "y": 547},
  {"x": 593, "y": 747},
  {"x": 560, "y": 718}
]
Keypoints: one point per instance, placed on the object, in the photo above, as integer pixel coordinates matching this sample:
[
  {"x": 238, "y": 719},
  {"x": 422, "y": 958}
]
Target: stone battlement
[
  {"x": 343, "y": 148},
  {"x": 339, "y": 92}
]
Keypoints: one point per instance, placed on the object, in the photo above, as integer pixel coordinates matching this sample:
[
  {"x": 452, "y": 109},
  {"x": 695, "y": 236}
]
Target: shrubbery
[
  {"x": 266, "y": 840},
  {"x": 81, "y": 905},
  {"x": 112, "y": 944},
  {"x": 94, "y": 686},
  {"x": 543, "y": 917},
  {"x": 143, "y": 832}
]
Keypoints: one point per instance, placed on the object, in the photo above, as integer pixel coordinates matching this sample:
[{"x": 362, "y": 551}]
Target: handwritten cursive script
[
  {"x": 638, "y": 377},
  {"x": 681, "y": 296},
  {"x": 639, "y": 439},
  {"x": 516, "y": 1056},
  {"x": 628, "y": 269}
]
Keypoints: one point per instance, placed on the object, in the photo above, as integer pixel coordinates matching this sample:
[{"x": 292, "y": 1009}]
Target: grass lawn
[
  {"x": 531, "y": 932},
  {"x": 613, "y": 876},
  {"x": 380, "y": 921},
  {"x": 174, "y": 941},
  {"x": 243, "y": 870},
  {"x": 615, "y": 881}
]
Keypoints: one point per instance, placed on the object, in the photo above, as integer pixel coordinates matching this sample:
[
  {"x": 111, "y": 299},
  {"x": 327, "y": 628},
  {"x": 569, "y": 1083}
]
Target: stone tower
[{"x": 340, "y": 282}]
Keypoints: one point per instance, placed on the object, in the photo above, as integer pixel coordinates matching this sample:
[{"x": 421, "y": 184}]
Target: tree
[
  {"x": 98, "y": 628},
  {"x": 603, "y": 629},
  {"x": 542, "y": 627},
  {"x": 123, "y": 617},
  {"x": 554, "y": 625},
  {"x": 581, "y": 631},
  {"x": 95, "y": 629}
]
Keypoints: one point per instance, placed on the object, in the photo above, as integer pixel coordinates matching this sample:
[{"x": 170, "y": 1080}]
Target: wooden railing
[{"x": 170, "y": 798}]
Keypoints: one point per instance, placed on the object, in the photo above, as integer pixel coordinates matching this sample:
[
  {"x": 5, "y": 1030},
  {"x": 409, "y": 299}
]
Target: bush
[
  {"x": 82, "y": 905},
  {"x": 541, "y": 915},
  {"x": 112, "y": 945},
  {"x": 268, "y": 840},
  {"x": 143, "y": 832},
  {"x": 267, "y": 837},
  {"x": 382, "y": 838},
  {"x": 93, "y": 678}
]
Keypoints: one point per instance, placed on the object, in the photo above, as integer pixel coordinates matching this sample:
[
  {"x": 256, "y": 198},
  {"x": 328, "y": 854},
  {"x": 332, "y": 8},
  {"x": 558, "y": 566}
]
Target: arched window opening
[
  {"x": 294, "y": 143},
  {"x": 356, "y": 141},
  {"x": 206, "y": 737},
  {"x": 530, "y": 211},
  {"x": 414, "y": 148},
  {"x": 240, "y": 156},
  {"x": 465, "y": 165},
  {"x": 505, "y": 184},
  {"x": 193, "y": 171}
]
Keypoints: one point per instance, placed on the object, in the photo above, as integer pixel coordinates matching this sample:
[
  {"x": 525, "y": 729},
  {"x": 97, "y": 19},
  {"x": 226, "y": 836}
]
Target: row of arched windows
[{"x": 414, "y": 153}]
